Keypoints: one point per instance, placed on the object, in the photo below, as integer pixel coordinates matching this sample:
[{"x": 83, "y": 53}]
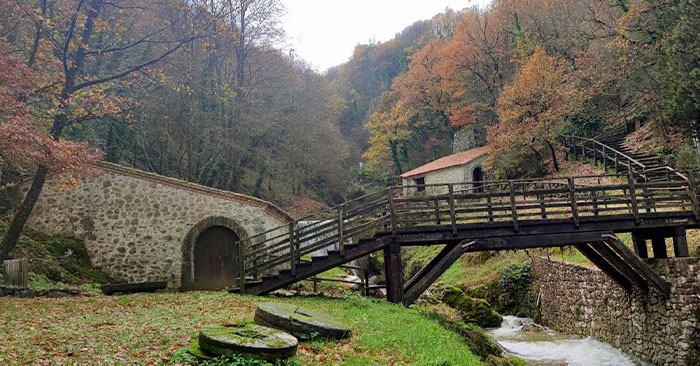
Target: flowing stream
[{"x": 549, "y": 348}]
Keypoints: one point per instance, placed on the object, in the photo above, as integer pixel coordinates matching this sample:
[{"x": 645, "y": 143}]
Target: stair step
[{"x": 270, "y": 278}]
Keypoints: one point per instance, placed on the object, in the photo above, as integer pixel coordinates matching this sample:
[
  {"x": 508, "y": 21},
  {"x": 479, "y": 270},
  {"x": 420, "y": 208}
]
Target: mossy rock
[
  {"x": 504, "y": 361},
  {"x": 300, "y": 321},
  {"x": 477, "y": 311},
  {"x": 249, "y": 341},
  {"x": 198, "y": 353},
  {"x": 480, "y": 343}
]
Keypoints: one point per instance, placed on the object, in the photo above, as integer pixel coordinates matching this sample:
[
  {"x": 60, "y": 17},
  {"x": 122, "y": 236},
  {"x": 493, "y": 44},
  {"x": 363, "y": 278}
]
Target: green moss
[
  {"x": 472, "y": 310},
  {"x": 504, "y": 361},
  {"x": 478, "y": 341},
  {"x": 56, "y": 259}
]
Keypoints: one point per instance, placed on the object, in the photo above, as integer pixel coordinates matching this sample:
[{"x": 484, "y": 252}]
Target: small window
[{"x": 420, "y": 182}]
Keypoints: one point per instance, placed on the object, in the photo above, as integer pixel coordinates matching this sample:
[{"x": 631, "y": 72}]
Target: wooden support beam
[
  {"x": 680, "y": 242},
  {"x": 658, "y": 246},
  {"x": 393, "y": 273},
  {"x": 604, "y": 266},
  {"x": 639, "y": 245},
  {"x": 433, "y": 270},
  {"x": 613, "y": 259},
  {"x": 639, "y": 266}
]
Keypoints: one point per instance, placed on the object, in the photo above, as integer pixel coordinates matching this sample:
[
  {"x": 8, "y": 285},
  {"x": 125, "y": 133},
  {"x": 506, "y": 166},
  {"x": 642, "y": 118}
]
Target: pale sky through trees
[{"x": 325, "y": 32}]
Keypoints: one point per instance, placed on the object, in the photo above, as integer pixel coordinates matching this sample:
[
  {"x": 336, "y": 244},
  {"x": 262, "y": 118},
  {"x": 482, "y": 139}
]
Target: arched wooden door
[
  {"x": 216, "y": 259},
  {"x": 478, "y": 178}
]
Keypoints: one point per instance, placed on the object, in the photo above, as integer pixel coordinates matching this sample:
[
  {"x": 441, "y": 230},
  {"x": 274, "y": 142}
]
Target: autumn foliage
[{"x": 24, "y": 138}]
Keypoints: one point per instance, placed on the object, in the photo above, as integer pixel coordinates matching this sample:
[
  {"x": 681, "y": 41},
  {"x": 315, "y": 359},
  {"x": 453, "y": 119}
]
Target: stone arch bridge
[{"x": 139, "y": 226}]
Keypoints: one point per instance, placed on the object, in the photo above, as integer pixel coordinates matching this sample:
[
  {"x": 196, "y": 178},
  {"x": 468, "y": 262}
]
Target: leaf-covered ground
[{"x": 146, "y": 329}]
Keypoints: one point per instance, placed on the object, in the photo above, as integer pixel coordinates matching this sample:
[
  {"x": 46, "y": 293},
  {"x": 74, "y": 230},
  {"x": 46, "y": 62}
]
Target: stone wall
[
  {"x": 583, "y": 301},
  {"x": 139, "y": 226}
]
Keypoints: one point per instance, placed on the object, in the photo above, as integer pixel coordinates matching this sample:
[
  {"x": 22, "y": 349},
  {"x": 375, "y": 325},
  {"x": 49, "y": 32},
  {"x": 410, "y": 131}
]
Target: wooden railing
[
  {"x": 613, "y": 158},
  {"x": 448, "y": 206}
]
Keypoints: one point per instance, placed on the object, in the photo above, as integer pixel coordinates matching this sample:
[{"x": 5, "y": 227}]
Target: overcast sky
[{"x": 325, "y": 32}]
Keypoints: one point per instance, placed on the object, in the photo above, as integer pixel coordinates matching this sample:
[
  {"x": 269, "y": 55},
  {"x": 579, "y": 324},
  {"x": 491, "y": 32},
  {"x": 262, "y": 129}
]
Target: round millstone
[
  {"x": 250, "y": 341},
  {"x": 198, "y": 353},
  {"x": 299, "y": 321}
]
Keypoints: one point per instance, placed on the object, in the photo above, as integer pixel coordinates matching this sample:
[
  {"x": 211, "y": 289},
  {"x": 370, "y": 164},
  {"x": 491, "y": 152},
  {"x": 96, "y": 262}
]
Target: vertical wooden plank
[
  {"x": 692, "y": 192},
  {"x": 658, "y": 246},
  {"x": 392, "y": 272},
  {"x": 489, "y": 204},
  {"x": 639, "y": 245},
  {"x": 341, "y": 240},
  {"x": 543, "y": 209},
  {"x": 453, "y": 216},
  {"x": 292, "y": 249},
  {"x": 513, "y": 207},
  {"x": 633, "y": 198},
  {"x": 605, "y": 161},
  {"x": 437, "y": 210},
  {"x": 680, "y": 242},
  {"x": 617, "y": 171},
  {"x": 574, "y": 204},
  {"x": 392, "y": 216}
]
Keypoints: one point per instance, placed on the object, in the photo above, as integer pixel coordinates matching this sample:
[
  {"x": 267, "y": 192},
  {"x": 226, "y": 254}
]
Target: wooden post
[
  {"x": 513, "y": 207},
  {"x": 489, "y": 203},
  {"x": 658, "y": 246},
  {"x": 315, "y": 286},
  {"x": 341, "y": 240},
  {"x": 392, "y": 216},
  {"x": 392, "y": 272},
  {"x": 633, "y": 198},
  {"x": 437, "y": 211},
  {"x": 453, "y": 216},
  {"x": 605, "y": 161},
  {"x": 16, "y": 272},
  {"x": 365, "y": 274},
  {"x": 292, "y": 249},
  {"x": 639, "y": 245},
  {"x": 574, "y": 204},
  {"x": 680, "y": 242},
  {"x": 617, "y": 171},
  {"x": 543, "y": 209},
  {"x": 241, "y": 266},
  {"x": 692, "y": 192}
]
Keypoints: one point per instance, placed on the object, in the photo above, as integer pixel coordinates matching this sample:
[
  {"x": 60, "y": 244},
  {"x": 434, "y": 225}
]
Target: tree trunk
[
  {"x": 9, "y": 241},
  {"x": 553, "y": 151}
]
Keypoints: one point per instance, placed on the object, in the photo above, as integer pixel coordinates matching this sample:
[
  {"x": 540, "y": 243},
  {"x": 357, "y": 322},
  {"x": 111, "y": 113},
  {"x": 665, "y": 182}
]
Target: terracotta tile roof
[{"x": 449, "y": 161}]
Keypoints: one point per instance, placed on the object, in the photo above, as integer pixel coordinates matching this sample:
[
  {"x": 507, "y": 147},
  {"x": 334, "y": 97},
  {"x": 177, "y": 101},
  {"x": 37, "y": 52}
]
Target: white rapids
[{"x": 549, "y": 348}]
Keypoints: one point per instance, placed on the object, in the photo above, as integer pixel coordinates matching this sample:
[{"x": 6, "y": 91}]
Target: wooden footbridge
[{"x": 585, "y": 212}]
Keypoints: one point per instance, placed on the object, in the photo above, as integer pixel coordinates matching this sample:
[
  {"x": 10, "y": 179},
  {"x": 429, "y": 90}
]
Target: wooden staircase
[{"x": 610, "y": 150}]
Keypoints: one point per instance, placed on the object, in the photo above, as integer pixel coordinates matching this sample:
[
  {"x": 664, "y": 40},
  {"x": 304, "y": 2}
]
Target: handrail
[
  {"x": 645, "y": 168},
  {"x": 508, "y": 202},
  {"x": 629, "y": 158}
]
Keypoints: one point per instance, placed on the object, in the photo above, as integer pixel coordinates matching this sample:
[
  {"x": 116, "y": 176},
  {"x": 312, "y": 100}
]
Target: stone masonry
[
  {"x": 139, "y": 226},
  {"x": 583, "y": 301}
]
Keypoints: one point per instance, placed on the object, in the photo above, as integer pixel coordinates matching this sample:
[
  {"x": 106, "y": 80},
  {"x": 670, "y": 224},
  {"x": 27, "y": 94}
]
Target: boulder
[
  {"x": 299, "y": 321},
  {"x": 472, "y": 310},
  {"x": 250, "y": 341}
]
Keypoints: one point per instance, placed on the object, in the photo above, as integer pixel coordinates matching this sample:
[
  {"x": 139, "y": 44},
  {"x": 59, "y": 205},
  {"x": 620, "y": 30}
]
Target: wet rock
[{"x": 534, "y": 327}]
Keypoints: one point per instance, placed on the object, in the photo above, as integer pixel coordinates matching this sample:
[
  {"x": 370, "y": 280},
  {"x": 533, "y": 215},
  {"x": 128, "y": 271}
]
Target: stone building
[
  {"x": 139, "y": 226},
  {"x": 465, "y": 167}
]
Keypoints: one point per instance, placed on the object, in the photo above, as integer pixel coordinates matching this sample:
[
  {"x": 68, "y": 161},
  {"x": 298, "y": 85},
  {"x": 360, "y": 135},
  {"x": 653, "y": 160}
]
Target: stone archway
[{"x": 205, "y": 231}]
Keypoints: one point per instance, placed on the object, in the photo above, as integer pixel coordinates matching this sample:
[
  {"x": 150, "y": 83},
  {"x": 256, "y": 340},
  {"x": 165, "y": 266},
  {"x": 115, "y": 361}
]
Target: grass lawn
[{"x": 147, "y": 329}]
